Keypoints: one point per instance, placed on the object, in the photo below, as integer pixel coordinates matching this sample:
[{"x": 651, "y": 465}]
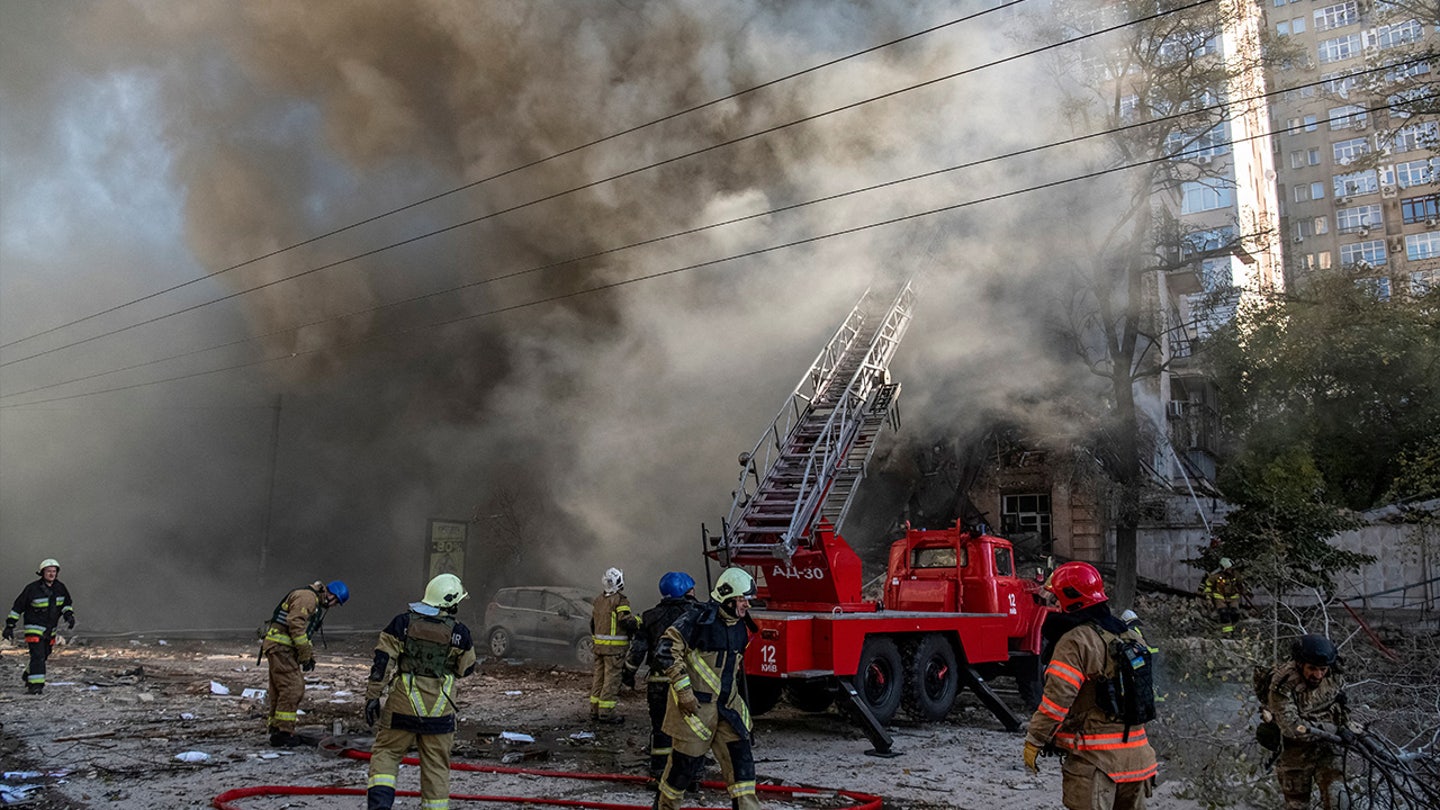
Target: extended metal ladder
[{"x": 808, "y": 463}]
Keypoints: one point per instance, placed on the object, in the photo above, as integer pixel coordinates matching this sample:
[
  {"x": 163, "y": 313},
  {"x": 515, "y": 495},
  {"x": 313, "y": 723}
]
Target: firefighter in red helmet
[{"x": 1108, "y": 762}]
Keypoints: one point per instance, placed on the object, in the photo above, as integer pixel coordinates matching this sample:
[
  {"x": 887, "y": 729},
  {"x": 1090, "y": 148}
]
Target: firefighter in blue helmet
[
  {"x": 289, "y": 652},
  {"x": 419, "y": 655},
  {"x": 677, "y": 594},
  {"x": 703, "y": 656},
  {"x": 43, "y": 604}
]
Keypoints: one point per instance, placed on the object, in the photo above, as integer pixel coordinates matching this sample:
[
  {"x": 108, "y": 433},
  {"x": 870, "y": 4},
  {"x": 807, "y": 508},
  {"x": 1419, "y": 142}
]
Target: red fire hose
[{"x": 226, "y": 800}]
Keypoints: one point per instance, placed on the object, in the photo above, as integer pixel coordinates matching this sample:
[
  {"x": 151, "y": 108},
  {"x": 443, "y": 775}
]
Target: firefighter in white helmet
[
  {"x": 703, "y": 655},
  {"x": 43, "y": 604},
  {"x": 612, "y": 623},
  {"x": 419, "y": 655}
]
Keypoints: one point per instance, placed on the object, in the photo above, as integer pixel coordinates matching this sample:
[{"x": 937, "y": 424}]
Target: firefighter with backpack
[
  {"x": 1098, "y": 696},
  {"x": 286, "y": 645},
  {"x": 419, "y": 655}
]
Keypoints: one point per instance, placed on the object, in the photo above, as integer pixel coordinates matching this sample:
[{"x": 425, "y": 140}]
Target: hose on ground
[{"x": 228, "y": 799}]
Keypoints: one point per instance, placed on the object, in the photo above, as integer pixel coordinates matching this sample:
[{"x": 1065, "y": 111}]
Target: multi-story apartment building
[{"x": 1355, "y": 164}]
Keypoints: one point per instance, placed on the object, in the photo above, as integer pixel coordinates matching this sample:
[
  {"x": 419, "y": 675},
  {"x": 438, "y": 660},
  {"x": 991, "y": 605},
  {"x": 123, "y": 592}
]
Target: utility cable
[
  {"x": 515, "y": 169},
  {"x": 690, "y": 231},
  {"x": 611, "y": 178}
]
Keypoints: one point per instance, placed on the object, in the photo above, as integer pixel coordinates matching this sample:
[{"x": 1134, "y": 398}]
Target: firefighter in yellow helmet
[
  {"x": 612, "y": 623},
  {"x": 419, "y": 655},
  {"x": 289, "y": 652},
  {"x": 1220, "y": 593},
  {"x": 703, "y": 655},
  {"x": 43, "y": 604}
]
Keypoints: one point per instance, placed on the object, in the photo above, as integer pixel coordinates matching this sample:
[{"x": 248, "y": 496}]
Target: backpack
[
  {"x": 1129, "y": 696},
  {"x": 427, "y": 646}
]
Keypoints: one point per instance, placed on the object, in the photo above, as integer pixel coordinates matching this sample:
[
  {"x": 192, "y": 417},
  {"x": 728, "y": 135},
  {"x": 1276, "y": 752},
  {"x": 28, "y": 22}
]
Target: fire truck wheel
[
  {"x": 932, "y": 679},
  {"x": 1029, "y": 680},
  {"x": 880, "y": 680},
  {"x": 761, "y": 694},
  {"x": 813, "y": 697}
]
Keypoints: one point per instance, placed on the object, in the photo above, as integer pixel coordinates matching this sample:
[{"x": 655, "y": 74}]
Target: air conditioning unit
[
  {"x": 1175, "y": 408},
  {"x": 1299, "y": 239},
  {"x": 1397, "y": 245},
  {"x": 1364, "y": 231},
  {"x": 1359, "y": 126},
  {"x": 1204, "y": 160},
  {"x": 1388, "y": 191},
  {"x": 1342, "y": 200},
  {"x": 1431, "y": 222}
]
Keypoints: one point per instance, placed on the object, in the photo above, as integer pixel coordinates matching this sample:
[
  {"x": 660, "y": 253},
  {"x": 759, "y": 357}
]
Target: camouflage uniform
[
  {"x": 1106, "y": 764},
  {"x": 1303, "y": 760}
]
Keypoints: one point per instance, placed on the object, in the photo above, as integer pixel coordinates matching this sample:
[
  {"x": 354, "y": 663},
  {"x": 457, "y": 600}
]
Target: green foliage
[
  {"x": 1417, "y": 476},
  {"x": 1352, "y": 380}
]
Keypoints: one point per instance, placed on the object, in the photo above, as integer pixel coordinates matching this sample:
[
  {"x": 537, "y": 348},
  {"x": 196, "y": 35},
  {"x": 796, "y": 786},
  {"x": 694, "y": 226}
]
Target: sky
[{"x": 192, "y": 432}]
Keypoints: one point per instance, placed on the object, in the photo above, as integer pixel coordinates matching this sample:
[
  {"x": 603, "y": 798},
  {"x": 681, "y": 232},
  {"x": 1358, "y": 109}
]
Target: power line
[
  {"x": 698, "y": 229},
  {"x": 513, "y": 170},
  {"x": 673, "y": 271},
  {"x": 613, "y": 177}
]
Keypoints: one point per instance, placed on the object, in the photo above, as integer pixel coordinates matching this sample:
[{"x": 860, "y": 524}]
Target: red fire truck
[{"x": 953, "y": 609}]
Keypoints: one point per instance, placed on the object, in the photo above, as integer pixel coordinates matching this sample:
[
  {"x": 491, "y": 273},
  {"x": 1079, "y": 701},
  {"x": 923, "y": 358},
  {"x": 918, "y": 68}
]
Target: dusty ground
[{"x": 118, "y": 712}]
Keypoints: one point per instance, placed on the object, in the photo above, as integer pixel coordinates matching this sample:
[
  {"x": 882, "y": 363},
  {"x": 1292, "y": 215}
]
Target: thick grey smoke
[{"x": 148, "y": 143}]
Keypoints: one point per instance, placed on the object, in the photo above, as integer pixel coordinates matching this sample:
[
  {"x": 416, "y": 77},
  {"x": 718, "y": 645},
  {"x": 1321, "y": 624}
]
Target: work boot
[
  {"x": 34, "y": 688},
  {"x": 283, "y": 739}
]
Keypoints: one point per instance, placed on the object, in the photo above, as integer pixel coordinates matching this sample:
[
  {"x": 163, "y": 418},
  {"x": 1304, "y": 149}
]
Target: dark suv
[{"x": 540, "y": 617}]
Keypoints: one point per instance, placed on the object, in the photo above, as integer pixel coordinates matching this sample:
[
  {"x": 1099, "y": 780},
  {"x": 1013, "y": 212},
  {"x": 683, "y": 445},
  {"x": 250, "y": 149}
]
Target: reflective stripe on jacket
[
  {"x": 41, "y": 605},
  {"x": 611, "y": 623},
  {"x": 1069, "y": 716},
  {"x": 292, "y": 624},
  {"x": 422, "y": 704},
  {"x": 703, "y": 653}
]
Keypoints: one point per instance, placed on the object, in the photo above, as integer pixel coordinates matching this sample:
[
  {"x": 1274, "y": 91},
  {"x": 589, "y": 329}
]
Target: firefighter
[
  {"x": 611, "y": 626},
  {"x": 677, "y": 594},
  {"x": 702, "y": 656},
  {"x": 1107, "y": 763},
  {"x": 1220, "y": 595},
  {"x": 1306, "y": 695},
  {"x": 44, "y": 604},
  {"x": 429, "y": 649},
  {"x": 288, "y": 650}
]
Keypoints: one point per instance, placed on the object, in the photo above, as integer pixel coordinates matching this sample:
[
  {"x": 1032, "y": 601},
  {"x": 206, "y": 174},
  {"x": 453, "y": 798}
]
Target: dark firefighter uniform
[
  {"x": 42, "y": 605},
  {"x": 611, "y": 624},
  {"x": 288, "y": 650},
  {"x": 1220, "y": 592},
  {"x": 702, "y": 655},
  {"x": 1304, "y": 760},
  {"x": 1106, "y": 764},
  {"x": 643, "y": 649},
  {"x": 428, "y": 653}
]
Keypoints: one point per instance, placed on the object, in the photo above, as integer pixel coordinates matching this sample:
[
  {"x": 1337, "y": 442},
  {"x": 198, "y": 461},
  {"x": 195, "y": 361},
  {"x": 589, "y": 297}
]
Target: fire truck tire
[
  {"x": 932, "y": 678},
  {"x": 500, "y": 642},
  {"x": 880, "y": 678},
  {"x": 762, "y": 694},
  {"x": 1029, "y": 680},
  {"x": 813, "y": 697}
]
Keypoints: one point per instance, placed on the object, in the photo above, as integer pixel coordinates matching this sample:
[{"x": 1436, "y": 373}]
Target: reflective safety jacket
[
  {"x": 1070, "y": 717},
  {"x": 1292, "y": 703},
  {"x": 703, "y": 653},
  {"x": 295, "y": 620},
  {"x": 419, "y": 658},
  {"x": 653, "y": 624},
  {"x": 611, "y": 623},
  {"x": 41, "y": 605},
  {"x": 1221, "y": 589}
]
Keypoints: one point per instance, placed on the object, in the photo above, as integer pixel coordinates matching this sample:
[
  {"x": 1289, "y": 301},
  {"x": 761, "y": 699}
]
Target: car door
[
  {"x": 527, "y": 613},
  {"x": 559, "y": 622}
]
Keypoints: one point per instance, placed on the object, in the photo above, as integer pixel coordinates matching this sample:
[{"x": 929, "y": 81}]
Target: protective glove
[
  {"x": 9, "y": 634},
  {"x": 1031, "y": 752},
  {"x": 308, "y": 665},
  {"x": 688, "y": 702},
  {"x": 627, "y": 678},
  {"x": 69, "y": 620},
  {"x": 372, "y": 711}
]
